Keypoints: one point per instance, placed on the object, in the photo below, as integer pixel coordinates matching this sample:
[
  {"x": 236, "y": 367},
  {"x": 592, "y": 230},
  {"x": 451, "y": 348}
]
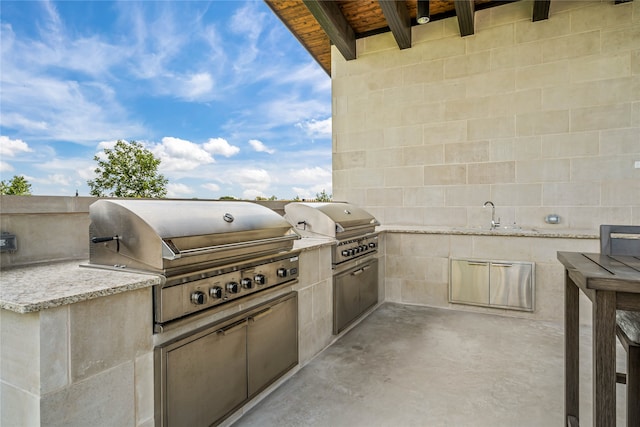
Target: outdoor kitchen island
[{"x": 77, "y": 343}]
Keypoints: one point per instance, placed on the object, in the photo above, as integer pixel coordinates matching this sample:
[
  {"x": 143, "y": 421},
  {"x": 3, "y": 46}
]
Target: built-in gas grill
[
  {"x": 355, "y": 279},
  {"x": 209, "y": 252},
  {"x": 351, "y": 226}
]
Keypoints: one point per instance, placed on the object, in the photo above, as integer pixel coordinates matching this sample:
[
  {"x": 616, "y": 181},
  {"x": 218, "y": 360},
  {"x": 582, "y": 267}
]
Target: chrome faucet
[{"x": 494, "y": 223}]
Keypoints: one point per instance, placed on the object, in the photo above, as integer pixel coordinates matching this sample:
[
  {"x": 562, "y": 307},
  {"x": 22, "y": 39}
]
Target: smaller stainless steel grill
[
  {"x": 351, "y": 226},
  {"x": 355, "y": 277}
]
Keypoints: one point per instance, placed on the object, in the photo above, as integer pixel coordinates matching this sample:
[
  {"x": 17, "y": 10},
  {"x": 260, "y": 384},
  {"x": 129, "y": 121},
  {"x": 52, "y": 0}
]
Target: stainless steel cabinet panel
[
  {"x": 369, "y": 285},
  {"x": 203, "y": 377},
  {"x": 354, "y": 291},
  {"x": 469, "y": 282},
  {"x": 511, "y": 285},
  {"x": 206, "y": 376},
  {"x": 346, "y": 300},
  {"x": 272, "y": 343},
  {"x": 503, "y": 284}
]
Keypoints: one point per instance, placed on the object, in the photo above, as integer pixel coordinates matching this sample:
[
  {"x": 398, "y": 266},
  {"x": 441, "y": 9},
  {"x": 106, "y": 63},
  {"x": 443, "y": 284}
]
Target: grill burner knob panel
[
  {"x": 247, "y": 283},
  {"x": 260, "y": 279},
  {"x": 198, "y": 298},
  {"x": 233, "y": 287},
  {"x": 282, "y": 272},
  {"x": 215, "y": 292}
]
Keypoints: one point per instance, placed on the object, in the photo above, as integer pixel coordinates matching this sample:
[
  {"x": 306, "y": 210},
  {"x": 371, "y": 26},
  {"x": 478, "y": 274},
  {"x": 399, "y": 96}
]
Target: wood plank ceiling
[{"x": 319, "y": 23}]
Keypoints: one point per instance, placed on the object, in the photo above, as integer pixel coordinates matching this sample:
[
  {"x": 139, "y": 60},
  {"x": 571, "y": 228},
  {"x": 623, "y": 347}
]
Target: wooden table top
[{"x": 603, "y": 272}]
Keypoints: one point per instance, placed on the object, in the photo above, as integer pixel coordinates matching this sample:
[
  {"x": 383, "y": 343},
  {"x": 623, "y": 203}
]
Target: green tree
[
  {"x": 323, "y": 197},
  {"x": 17, "y": 186},
  {"x": 128, "y": 170},
  {"x": 227, "y": 198}
]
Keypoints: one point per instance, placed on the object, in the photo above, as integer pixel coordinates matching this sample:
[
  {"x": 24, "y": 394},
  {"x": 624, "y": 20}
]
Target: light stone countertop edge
[
  {"x": 508, "y": 232},
  {"x": 311, "y": 243},
  {"x": 39, "y": 287}
]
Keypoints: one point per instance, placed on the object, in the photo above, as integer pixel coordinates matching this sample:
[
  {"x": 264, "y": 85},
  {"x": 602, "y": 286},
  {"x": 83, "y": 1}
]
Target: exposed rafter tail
[
  {"x": 397, "y": 16},
  {"x": 333, "y": 22},
  {"x": 465, "y": 10},
  {"x": 541, "y": 10}
]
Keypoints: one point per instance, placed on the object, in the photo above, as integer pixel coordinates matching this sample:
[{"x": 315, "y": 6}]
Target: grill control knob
[
  {"x": 372, "y": 245},
  {"x": 215, "y": 292},
  {"x": 246, "y": 283},
  {"x": 260, "y": 279},
  {"x": 345, "y": 252},
  {"x": 233, "y": 287},
  {"x": 198, "y": 298},
  {"x": 282, "y": 272}
]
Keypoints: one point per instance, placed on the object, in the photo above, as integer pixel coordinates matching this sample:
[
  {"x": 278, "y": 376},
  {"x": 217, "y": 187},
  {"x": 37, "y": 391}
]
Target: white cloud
[
  {"x": 178, "y": 189},
  {"x": 87, "y": 173},
  {"x": 197, "y": 85},
  {"x": 311, "y": 175},
  {"x": 316, "y": 128},
  {"x": 5, "y": 167},
  {"x": 211, "y": 186},
  {"x": 220, "y": 146},
  {"x": 108, "y": 144},
  {"x": 178, "y": 154},
  {"x": 251, "y": 194},
  {"x": 252, "y": 179},
  {"x": 59, "y": 179},
  {"x": 260, "y": 147},
  {"x": 10, "y": 147},
  {"x": 313, "y": 191},
  {"x": 293, "y": 110}
]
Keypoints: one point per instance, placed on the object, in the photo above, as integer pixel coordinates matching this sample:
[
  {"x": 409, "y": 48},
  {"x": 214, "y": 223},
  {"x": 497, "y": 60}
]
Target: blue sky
[{"x": 220, "y": 91}]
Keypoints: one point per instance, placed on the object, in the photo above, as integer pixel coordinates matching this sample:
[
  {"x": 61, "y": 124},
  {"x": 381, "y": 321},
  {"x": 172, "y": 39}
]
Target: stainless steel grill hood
[
  {"x": 169, "y": 236},
  {"x": 336, "y": 219}
]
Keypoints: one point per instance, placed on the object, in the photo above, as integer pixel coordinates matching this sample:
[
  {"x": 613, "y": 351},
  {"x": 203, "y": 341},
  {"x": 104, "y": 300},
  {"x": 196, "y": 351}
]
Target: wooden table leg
[
  {"x": 571, "y": 350},
  {"x": 604, "y": 359}
]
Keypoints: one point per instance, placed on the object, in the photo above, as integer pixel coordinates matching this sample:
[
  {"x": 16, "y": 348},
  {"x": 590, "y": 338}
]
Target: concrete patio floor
[{"x": 420, "y": 366}]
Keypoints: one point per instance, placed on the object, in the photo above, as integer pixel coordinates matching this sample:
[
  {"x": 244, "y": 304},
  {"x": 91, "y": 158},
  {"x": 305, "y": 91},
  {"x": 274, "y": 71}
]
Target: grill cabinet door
[
  {"x": 469, "y": 282},
  {"x": 206, "y": 377},
  {"x": 354, "y": 291},
  {"x": 512, "y": 285},
  {"x": 346, "y": 300},
  {"x": 272, "y": 343},
  {"x": 369, "y": 285}
]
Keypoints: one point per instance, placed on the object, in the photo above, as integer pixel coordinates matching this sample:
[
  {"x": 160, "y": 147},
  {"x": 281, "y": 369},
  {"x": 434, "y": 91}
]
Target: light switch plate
[{"x": 637, "y": 164}]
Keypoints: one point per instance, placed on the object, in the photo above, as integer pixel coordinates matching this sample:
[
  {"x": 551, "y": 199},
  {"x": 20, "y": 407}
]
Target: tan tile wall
[
  {"x": 59, "y": 366},
  {"x": 417, "y": 268},
  {"x": 315, "y": 303},
  {"x": 539, "y": 117}
]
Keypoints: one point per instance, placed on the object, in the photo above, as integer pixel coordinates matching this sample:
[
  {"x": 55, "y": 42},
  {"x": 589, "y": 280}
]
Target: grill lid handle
[{"x": 107, "y": 239}]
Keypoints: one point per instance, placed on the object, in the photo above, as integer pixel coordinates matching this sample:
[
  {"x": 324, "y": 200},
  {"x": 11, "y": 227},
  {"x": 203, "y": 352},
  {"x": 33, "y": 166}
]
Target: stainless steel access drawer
[{"x": 491, "y": 283}]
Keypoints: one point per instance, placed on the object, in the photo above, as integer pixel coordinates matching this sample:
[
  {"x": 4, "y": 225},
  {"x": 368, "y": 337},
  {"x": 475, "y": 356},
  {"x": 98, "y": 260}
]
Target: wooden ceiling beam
[
  {"x": 333, "y": 22},
  {"x": 397, "y": 15},
  {"x": 541, "y": 10},
  {"x": 465, "y": 11}
]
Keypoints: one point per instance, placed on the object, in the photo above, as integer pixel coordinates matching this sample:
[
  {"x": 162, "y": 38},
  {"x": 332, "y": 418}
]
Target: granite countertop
[
  {"x": 309, "y": 243},
  {"x": 42, "y": 286},
  {"x": 501, "y": 232}
]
